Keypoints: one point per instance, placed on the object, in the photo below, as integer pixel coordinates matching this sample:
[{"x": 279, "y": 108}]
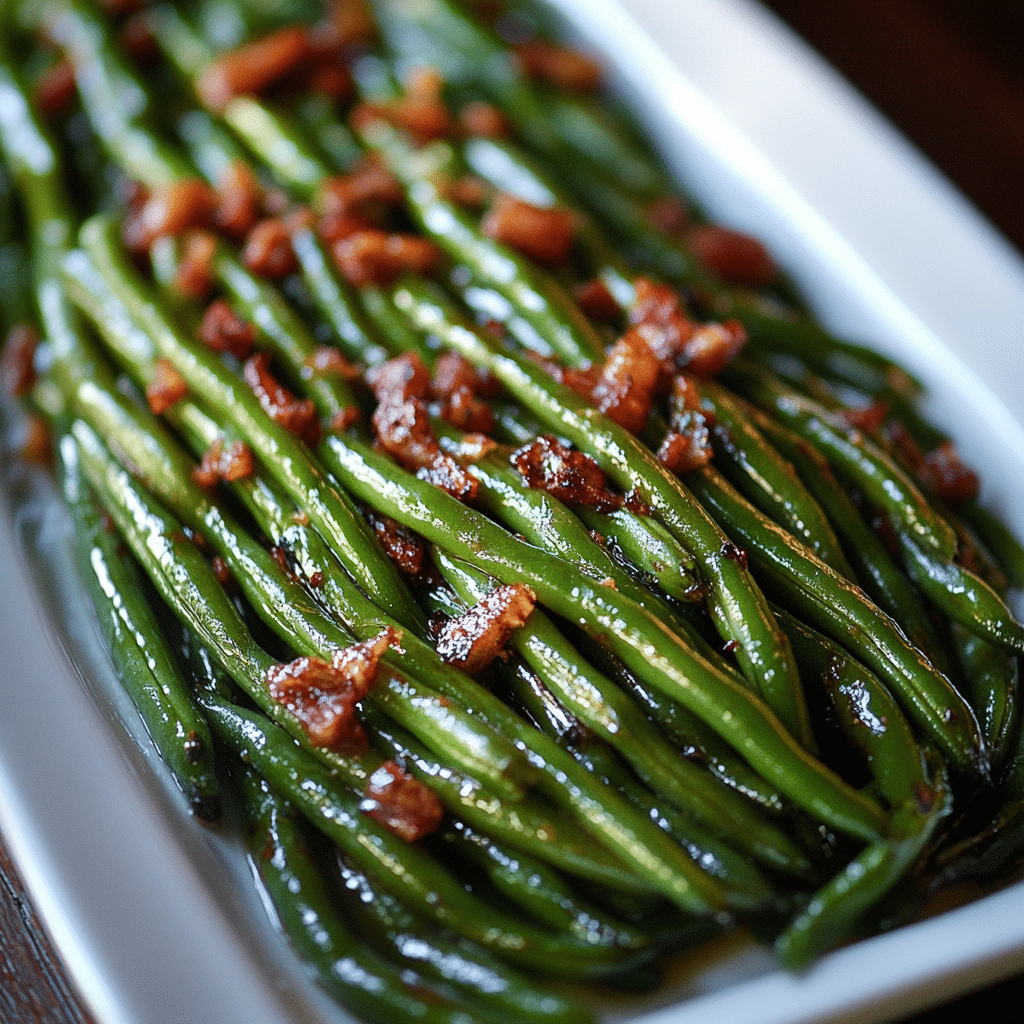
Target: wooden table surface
[{"x": 950, "y": 74}]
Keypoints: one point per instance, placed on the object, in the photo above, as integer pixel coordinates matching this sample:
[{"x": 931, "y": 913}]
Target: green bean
[
  {"x": 601, "y": 706},
  {"x": 991, "y": 684},
  {"x": 998, "y": 538},
  {"x": 539, "y": 890},
  {"x": 743, "y": 880},
  {"x": 766, "y": 479},
  {"x": 737, "y": 607},
  {"x": 643, "y": 643},
  {"x": 854, "y": 458},
  {"x": 404, "y": 868},
  {"x": 964, "y": 596},
  {"x": 535, "y": 296},
  {"x": 363, "y": 980},
  {"x": 114, "y": 284},
  {"x": 492, "y": 985},
  {"x": 531, "y": 825},
  {"x": 875, "y": 569},
  {"x": 839, "y": 609},
  {"x": 144, "y": 662}
]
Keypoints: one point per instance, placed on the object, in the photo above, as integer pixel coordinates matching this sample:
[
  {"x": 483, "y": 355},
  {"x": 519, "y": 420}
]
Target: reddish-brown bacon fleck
[
  {"x": 456, "y": 384},
  {"x": 17, "y": 369},
  {"x": 544, "y": 234},
  {"x": 668, "y": 215},
  {"x": 420, "y": 110},
  {"x": 558, "y": 65},
  {"x": 943, "y": 474},
  {"x": 268, "y": 250},
  {"x": 218, "y": 464},
  {"x": 377, "y": 258},
  {"x": 194, "y": 276},
  {"x": 367, "y": 188},
  {"x": 402, "y": 804},
  {"x": 472, "y": 640},
  {"x": 625, "y": 389},
  {"x": 327, "y": 361},
  {"x": 54, "y": 89},
  {"x": 166, "y": 388},
  {"x": 35, "y": 444},
  {"x": 223, "y": 330},
  {"x": 295, "y": 415},
  {"x": 404, "y": 547},
  {"x": 712, "y": 347},
  {"x": 255, "y": 67},
  {"x": 483, "y": 119},
  {"x": 687, "y": 445},
  {"x": 351, "y": 20},
  {"x": 597, "y": 302},
  {"x": 736, "y": 257},
  {"x": 169, "y": 210},
  {"x": 566, "y": 474},
  {"x": 324, "y": 696},
  {"x": 241, "y": 200}
]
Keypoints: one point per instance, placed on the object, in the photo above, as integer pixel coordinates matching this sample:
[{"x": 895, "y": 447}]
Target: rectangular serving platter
[{"x": 157, "y": 918}]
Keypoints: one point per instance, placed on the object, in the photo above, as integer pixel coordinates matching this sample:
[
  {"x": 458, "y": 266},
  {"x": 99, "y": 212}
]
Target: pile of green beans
[{"x": 777, "y": 691}]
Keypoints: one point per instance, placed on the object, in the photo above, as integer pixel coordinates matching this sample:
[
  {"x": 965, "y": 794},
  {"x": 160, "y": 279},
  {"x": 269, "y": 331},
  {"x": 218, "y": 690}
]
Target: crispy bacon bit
[
  {"x": 456, "y": 383},
  {"x": 221, "y": 570},
  {"x": 400, "y": 378},
  {"x": 544, "y": 234},
  {"x": 223, "y": 330},
  {"x": 472, "y": 640},
  {"x": 483, "y": 120},
  {"x": 17, "y": 366},
  {"x": 376, "y": 257},
  {"x": 241, "y": 199},
  {"x": 327, "y": 361},
  {"x": 345, "y": 418},
  {"x": 323, "y": 697},
  {"x": 169, "y": 210},
  {"x": 351, "y": 20},
  {"x": 736, "y": 257},
  {"x": 687, "y": 445},
  {"x": 402, "y": 804},
  {"x": 734, "y": 553},
  {"x": 335, "y": 227},
  {"x": 295, "y": 415},
  {"x": 403, "y": 546},
  {"x": 668, "y": 215},
  {"x": 712, "y": 347},
  {"x": 137, "y": 39},
  {"x": 558, "y": 65},
  {"x": 470, "y": 192},
  {"x": 702, "y": 350},
  {"x": 402, "y": 425},
  {"x": 625, "y": 390},
  {"x": 597, "y": 302},
  {"x": 194, "y": 276},
  {"x": 268, "y": 250},
  {"x": 420, "y": 111},
  {"x": 54, "y": 90},
  {"x": 217, "y": 464},
  {"x": 367, "y": 188},
  {"x": 35, "y": 445},
  {"x": 868, "y": 418},
  {"x": 167, "y": 387},
  {"x": 658, "y": 309},
  {"x": 944, "y": 475},
  {"x": 255, "y": 67},
  {"x": 566, "y": 474}
]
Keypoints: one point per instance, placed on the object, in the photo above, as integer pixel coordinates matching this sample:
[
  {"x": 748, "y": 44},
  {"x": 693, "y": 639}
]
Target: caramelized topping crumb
[
  {"x": 296, "y": 415},
  {"x": 402, "y": 804},
  {"x": 572, "y": 477},
  {"x": 166, "y": 388},
  {"x": 472, "y": 640}
]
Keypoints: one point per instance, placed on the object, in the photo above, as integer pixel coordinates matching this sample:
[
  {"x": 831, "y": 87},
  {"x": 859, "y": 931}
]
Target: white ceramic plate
[{"x": 156, "y": 918}]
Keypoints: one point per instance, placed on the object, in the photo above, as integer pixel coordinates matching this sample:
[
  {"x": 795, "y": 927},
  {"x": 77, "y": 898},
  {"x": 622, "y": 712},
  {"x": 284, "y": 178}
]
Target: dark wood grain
[
  {"x": 950, "y": 75},
  {"x": 34, "y": 988}
]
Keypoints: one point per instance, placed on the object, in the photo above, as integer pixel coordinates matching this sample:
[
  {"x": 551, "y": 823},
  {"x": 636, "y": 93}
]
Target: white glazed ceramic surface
[{"x": 157, "y": 918}]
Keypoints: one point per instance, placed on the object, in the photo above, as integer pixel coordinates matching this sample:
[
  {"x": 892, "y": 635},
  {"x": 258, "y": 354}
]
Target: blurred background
[{"x": 950, "y": 75}]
